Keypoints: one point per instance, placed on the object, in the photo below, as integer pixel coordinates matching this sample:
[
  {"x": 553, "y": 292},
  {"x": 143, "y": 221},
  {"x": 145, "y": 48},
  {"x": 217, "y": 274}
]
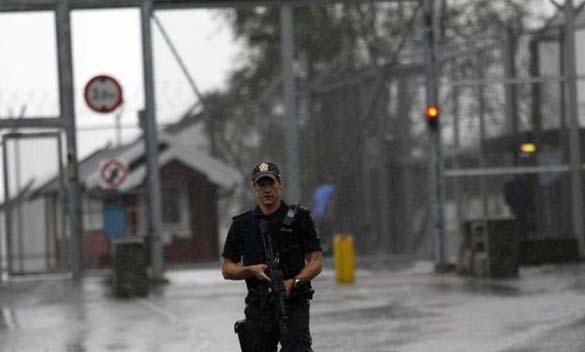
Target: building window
[
  {"x": 93, "y": 214},
  {"x": 171, "y": 205}
]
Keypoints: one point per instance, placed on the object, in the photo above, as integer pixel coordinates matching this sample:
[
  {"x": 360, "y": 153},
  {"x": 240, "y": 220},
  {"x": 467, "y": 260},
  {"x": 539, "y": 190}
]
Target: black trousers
[{"x": 263, "y": 327}]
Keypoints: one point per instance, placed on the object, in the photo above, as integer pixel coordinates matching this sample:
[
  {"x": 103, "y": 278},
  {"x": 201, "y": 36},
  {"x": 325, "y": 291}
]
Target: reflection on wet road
[{"x": 406, "y": 310}]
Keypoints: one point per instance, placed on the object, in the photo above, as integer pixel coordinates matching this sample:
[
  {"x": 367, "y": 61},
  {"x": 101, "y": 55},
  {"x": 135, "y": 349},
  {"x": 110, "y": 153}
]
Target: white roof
[{"x": 216, "y": 171}]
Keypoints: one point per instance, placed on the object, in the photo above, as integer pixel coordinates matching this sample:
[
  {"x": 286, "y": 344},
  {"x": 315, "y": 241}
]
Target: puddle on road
[
  {"x": 578, "y": 286},
  {"x": 378, "y": 329},
  {"x": 117, "y": 346},
  {"x": 75, "y": 347},
  {"x": 489, "y": 288},
  {"x": 390, "y": 311}
]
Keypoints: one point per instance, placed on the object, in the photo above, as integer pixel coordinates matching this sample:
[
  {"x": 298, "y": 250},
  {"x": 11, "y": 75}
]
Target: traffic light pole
[
  {"x": 436, "y": 158},
  {"x": 574, "y": 137}
]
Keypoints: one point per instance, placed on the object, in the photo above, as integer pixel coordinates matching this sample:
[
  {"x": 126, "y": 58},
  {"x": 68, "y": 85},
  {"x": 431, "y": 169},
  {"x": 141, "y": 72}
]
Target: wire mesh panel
[
  {"x": 505, "y": 133},
  {"x": 359, "y": 75},
  {"x": 507, "y": 141},
  {"x": 370, "y": 143},
  {"x": 34, "y": 214}
]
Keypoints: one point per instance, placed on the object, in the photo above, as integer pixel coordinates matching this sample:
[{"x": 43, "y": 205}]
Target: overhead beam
[
  {"x": 33, "y": 122},
  {"x": 20, "y": 135},
  {"x": 47, "y": 5}
]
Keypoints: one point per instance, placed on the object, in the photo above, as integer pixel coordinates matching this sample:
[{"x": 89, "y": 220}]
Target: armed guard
[{"x": 275, "y": 248}]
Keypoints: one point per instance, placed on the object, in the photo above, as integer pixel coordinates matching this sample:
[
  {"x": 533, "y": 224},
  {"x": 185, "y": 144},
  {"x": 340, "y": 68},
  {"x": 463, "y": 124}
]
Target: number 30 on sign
[{"x": 103, "y": 94}]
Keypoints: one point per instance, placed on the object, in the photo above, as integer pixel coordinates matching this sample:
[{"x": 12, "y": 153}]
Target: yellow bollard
[{"x": 344, "y": 258}]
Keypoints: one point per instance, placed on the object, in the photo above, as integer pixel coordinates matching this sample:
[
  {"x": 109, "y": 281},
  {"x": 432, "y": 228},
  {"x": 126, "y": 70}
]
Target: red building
[{"x": 191, "y": 182}]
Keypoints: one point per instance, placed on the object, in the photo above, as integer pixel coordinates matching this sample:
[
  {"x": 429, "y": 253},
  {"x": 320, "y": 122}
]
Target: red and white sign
[
  {"x": 113, "y": 173},
  {"x": 103, "y": 94}
]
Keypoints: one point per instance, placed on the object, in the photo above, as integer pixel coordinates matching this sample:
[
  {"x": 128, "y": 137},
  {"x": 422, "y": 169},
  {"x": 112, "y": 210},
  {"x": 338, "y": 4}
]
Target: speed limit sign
[{"x": 103, "y": 94}]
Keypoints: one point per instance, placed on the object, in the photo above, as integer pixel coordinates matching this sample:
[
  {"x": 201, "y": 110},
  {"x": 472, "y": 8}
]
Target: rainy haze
[{"x": 436, "y": 143}]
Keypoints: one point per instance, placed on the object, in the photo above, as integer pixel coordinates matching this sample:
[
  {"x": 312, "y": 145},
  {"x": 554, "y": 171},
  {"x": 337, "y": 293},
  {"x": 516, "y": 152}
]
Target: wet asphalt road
[{"x": 407, "y": 309}]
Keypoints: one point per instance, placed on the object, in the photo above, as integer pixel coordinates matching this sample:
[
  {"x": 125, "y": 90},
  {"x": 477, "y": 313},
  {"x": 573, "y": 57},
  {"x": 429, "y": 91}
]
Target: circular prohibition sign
[
  {"x": 113, "y": 173},
  {"x": 103, "y": 94}
]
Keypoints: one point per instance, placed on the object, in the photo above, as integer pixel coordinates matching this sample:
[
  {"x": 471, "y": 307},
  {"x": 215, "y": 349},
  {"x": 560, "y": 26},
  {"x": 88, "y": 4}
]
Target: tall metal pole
[
  {"x": 118, "y": 124},
  {"x": 482, "y": 136},
  {"x": 457, "y": 184},
  {"x": 511, "y": 90},
  {"x": 151, "y": 144},
  {"x": 62, "y": 196},
  {"x": 7, "y": 208},
  {"x": 18, "y": 203},
  {"x": 67, "y": 104},
  {"x": 2, "y": 247},
  {"x": 574, "y": 128},
  {"x": 436, "y": 158},
  {"x": 292, "y": 176}
]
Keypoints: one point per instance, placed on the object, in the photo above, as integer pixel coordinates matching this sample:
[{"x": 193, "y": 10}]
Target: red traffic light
[{"x": 432, "y": 113}]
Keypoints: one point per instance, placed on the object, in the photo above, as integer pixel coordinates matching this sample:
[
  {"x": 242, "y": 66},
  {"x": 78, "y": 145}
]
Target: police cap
[{"x": 265, "y": 169}]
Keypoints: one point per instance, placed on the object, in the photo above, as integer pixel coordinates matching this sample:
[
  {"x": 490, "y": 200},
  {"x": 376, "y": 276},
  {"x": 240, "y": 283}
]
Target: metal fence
[
  {"x": 506, "y": 138},
  {"x": 363, "y": 132}
]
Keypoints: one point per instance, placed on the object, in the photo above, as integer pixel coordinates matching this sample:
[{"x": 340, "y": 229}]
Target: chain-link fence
[
  {"x": 364, "y": 143},
  {"x": 505, "y": 132}
]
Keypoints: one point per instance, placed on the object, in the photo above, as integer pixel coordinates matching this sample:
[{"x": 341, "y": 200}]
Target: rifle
[{"x": 278, "y": 291}]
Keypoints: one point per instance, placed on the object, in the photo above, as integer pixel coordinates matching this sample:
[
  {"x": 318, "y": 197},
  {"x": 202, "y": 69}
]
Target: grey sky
[{"x": 107, "y": 42}]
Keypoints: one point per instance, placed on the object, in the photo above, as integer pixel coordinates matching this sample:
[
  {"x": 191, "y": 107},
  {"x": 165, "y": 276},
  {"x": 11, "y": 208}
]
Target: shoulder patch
[{"x": 242, "y": 216}]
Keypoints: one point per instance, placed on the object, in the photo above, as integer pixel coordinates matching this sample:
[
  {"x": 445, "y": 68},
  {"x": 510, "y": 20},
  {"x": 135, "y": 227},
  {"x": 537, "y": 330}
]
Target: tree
[{"x": 329, "y": 42}]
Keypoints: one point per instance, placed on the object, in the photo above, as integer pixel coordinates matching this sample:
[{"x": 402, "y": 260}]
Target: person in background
[
  {"x": 519, "y": 196},
  {"x": 324, "y": 213}
]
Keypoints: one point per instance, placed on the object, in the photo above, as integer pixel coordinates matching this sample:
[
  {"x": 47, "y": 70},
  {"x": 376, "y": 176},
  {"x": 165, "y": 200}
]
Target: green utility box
[
  {"x": 130, "y": 276},
  {"x": 489, "y": 248}
]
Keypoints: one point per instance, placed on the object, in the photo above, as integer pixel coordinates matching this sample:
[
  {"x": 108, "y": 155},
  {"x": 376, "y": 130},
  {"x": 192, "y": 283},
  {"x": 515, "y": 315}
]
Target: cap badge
[{"x": 263, "y": 167}]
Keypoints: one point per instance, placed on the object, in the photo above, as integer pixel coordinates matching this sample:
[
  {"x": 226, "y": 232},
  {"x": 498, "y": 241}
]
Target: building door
[{"x": 115, "y": 220}]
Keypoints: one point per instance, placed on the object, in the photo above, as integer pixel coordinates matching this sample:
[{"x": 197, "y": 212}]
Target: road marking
[{"x": 205, "y": 337}]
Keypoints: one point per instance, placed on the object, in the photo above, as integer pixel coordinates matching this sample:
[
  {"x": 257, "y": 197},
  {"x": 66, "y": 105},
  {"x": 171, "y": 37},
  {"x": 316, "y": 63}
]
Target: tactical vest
[{"x": 290, "y": 245}]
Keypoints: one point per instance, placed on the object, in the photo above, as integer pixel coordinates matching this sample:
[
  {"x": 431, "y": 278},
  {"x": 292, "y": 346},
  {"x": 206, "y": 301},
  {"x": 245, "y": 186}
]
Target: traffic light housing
[{"x": 432, "y": 114}]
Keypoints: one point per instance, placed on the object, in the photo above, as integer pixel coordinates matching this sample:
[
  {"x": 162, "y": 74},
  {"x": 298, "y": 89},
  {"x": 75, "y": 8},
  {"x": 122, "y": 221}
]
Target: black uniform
[{"x": 290, "y": 244}]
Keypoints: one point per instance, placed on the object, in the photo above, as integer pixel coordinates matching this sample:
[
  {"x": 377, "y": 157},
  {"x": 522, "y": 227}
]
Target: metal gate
[
  {"x": 510, "y": 134},
  {"x": 34, "y": 213}
]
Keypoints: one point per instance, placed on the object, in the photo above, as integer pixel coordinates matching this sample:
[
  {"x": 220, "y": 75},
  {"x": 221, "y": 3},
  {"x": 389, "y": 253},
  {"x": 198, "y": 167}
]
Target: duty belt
[{"x": 261, "y": 295}]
